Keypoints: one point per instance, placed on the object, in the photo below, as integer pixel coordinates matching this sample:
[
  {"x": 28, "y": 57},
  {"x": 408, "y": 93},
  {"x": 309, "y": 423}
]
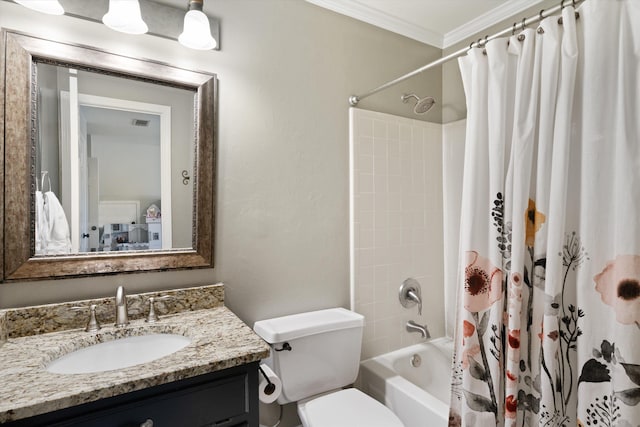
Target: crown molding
[
  {"x": 486, "y": 20},
  {"x": 357, "y": 10}
]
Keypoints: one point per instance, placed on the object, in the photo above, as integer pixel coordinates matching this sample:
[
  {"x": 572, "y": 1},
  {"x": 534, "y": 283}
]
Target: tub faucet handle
[
  {"x": 410, "y": 294},
  {"x": 415, "y": 297}
]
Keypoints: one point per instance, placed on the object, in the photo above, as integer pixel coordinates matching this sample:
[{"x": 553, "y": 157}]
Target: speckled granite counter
[{"x": 219, "y": 340}]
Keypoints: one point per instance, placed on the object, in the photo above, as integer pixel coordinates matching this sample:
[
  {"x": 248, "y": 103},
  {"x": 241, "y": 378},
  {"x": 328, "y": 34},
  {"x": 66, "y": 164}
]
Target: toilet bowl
[{"x": 315, "y": 355}]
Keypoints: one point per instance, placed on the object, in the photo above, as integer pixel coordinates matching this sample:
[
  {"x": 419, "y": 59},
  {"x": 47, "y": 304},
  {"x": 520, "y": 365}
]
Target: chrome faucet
[
  {"x": 414, "y": 327},
  {"x": 122, "y": 315}
]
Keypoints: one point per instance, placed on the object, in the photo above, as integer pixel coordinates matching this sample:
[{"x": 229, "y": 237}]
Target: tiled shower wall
[
  {"x": 396, "y": 226},
  {"x": 453, "y": 140}
]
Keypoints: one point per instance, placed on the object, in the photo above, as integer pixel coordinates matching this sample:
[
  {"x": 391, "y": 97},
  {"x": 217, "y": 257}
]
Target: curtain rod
[{"x": 544, "y": 13}]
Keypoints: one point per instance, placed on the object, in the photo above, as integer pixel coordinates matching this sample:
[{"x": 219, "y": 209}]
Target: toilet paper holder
[{"x": 270, "y": 388}]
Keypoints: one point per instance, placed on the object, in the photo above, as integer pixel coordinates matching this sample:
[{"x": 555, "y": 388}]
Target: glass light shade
[
  {"x": 197, "y": 33},
  {"x": 52, "y": 7},
  {"x": 124, "y": 16}
]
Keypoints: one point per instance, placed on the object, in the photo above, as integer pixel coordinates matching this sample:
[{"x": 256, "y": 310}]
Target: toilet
[{"x": 315, "y": 355}]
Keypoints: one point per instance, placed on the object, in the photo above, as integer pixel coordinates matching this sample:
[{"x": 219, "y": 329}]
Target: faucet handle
[
  {"x": 92, "y": 323},
  {"x": 152, "y": 317},
  {"x": 410, "y": 294}
]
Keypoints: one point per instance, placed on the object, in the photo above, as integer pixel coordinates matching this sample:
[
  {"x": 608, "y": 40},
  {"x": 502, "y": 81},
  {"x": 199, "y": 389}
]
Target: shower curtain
[{"x": 548, "y": 316}]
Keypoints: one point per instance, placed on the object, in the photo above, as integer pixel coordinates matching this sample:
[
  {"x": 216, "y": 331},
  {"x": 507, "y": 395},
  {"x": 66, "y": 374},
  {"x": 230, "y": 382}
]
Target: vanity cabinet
[{"x": 226, "y": 398}]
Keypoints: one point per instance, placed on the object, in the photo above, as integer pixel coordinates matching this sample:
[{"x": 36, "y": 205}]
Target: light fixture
[
  {"x": 193, "y": 29},
  {"x": 52, "y": 7},
  {"x": 196, "y": 33},
  {"x": 124, "y": 16}
]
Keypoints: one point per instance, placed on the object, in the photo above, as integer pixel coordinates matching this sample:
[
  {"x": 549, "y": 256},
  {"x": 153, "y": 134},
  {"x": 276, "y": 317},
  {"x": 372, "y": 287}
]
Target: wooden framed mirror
[{"x": 24, "y": 59}]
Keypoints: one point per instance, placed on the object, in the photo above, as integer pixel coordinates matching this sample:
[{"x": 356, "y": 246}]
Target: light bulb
[
  {"x": 124, "y": 16},
  {"x": 52, "y": 7},
  {"x": 197, "y": 32}
]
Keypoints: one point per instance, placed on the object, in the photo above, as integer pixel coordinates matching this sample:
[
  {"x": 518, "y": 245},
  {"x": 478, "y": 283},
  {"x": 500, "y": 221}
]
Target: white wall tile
[
  {"x": 397, "y": 220},
  {"x": 393, "y": 148},
  {"x": 364, "y": 202},
  {"x": 380, "y": 184},
  {"x": 365, "y": 219},
  {"x": 364, "y": 126},
  {"x": 380, "y": 165},
  {"x": 364, "y": 183},
  {"x": 405, "y": 133},
  {"x": 393, "y": 131},
  {"x": 365, "y": 238},
  {"x": 380, "y": 129},
  {"x": 380, "y": 147},
  {"x": 364, "y": 145},
  {"x": 364, "y": 164},
  {"x": 393, "y": 167}
]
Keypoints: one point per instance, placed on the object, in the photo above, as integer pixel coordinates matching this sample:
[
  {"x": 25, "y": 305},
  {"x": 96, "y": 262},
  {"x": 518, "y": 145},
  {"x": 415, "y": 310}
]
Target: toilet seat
[{"x": 346, "y": 408}]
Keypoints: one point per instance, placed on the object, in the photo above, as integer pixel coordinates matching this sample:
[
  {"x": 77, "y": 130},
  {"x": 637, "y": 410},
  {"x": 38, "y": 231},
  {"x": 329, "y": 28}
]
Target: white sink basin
[{"x": 118, "y": 354}]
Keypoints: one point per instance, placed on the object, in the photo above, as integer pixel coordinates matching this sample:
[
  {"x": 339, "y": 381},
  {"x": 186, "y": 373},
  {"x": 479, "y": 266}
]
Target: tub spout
[{"x": 414, "y": 327}]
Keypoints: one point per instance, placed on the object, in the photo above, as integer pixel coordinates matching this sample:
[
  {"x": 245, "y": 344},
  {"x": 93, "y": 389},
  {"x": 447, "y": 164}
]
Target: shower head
[{"x": 422, "y": 104}]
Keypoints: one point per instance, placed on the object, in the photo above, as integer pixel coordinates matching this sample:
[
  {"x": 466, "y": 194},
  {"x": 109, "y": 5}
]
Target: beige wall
[{"x": 286, "y": 70}]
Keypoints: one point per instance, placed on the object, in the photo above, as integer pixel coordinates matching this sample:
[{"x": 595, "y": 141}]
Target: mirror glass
[{"x": 114, "y": 161}]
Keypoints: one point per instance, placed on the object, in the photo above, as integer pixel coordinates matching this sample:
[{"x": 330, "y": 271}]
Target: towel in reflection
[{"x": 52, "y": 228}]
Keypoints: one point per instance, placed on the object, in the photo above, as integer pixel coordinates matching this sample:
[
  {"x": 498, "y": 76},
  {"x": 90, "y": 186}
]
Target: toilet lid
[{"x": 347, "y": 408}]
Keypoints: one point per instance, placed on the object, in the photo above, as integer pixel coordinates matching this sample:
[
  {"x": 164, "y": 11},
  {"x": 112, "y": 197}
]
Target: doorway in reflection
[
  {"x": 120, "y": 155},
  {"x": 113, "y": 150}
]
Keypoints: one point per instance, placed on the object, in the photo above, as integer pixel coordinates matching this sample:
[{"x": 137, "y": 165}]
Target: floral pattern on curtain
[{"x": 548, "y": 316}]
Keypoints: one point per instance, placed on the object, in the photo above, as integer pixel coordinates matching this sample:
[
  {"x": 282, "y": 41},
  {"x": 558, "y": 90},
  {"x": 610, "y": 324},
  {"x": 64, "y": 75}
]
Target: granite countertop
[{"x": 219, "y": 340}]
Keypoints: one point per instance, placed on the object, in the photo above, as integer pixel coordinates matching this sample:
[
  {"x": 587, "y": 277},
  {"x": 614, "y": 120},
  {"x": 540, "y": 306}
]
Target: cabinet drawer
[
  {"x": 206, "y": 405},
  {"x": 227, "y": 398}
]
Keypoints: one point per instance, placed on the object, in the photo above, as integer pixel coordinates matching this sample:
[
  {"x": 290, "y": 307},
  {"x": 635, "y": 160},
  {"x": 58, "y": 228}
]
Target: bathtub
[{"x": 418, "y": 395}]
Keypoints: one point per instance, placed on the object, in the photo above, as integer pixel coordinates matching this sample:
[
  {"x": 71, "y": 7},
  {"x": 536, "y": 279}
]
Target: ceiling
[
  {"x": 119, "y": 124},
  {"x": 440, "y": 23}
]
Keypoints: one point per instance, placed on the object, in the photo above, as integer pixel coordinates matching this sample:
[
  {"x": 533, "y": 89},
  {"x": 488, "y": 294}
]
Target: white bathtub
[{"x": 418, "y": 395}]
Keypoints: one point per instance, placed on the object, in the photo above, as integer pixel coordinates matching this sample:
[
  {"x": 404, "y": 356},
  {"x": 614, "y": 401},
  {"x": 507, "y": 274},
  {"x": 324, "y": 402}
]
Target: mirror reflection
[{"x": 114, "y": 161}]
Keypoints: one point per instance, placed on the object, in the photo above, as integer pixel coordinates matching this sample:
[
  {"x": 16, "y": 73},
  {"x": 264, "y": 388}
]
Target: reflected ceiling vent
[{"x": 140, "y": 123}]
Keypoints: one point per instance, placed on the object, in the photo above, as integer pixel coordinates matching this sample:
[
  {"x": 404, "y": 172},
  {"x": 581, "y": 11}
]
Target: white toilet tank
[{"x": 324, "y": 350}]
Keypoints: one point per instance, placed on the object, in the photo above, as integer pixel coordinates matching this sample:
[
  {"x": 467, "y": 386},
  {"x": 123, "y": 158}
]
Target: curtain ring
[
  {"x": 541, "y": 17},
  {"x": 513, "y": 30},
  {"x": 471, "y": 45},
  {"x": 573, "y": 3},
  {"x": 486, "y": 40},
  {"x": 524, "y": 23}
]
